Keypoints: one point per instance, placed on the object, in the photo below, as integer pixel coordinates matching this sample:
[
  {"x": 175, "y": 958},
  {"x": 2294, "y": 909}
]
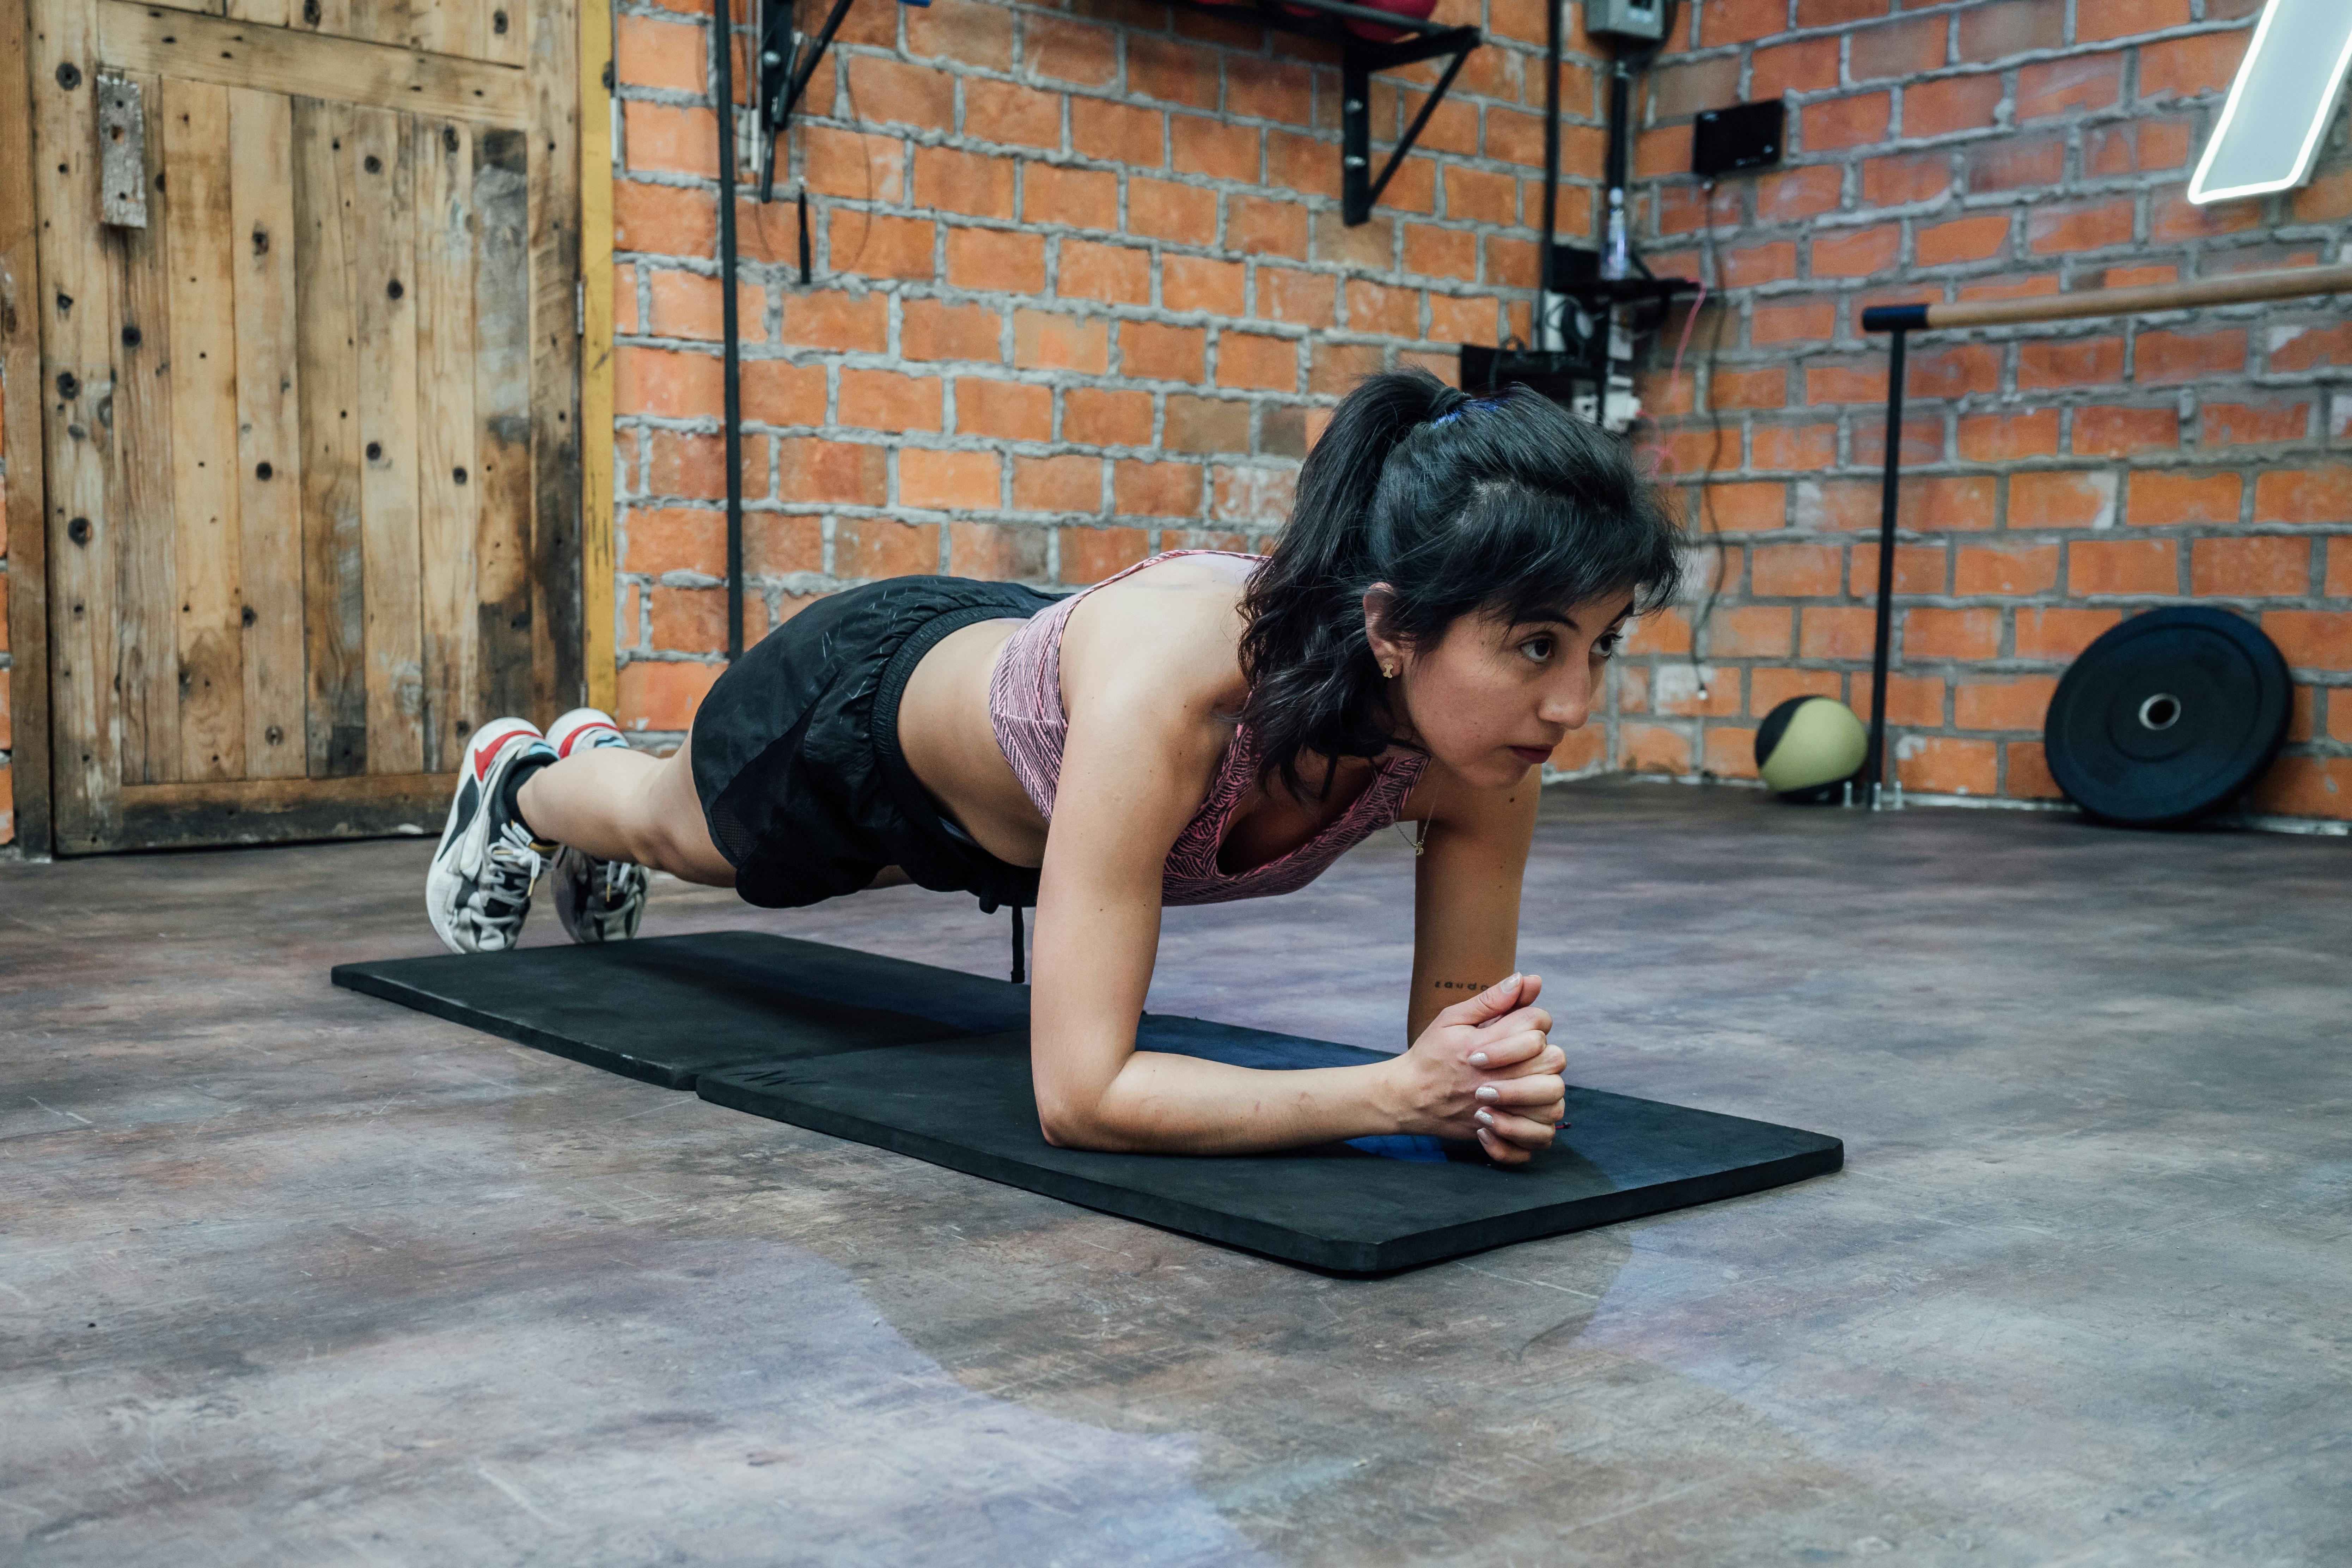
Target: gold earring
[{"x": 1388, "y": 672}]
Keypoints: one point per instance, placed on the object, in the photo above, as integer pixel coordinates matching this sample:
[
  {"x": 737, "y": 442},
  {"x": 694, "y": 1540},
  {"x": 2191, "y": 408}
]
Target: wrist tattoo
[{"x": 1460, "y": 985}]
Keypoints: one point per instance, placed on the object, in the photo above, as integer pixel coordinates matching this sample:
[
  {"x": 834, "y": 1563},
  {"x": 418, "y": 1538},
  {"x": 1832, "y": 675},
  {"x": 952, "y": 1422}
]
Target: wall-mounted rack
[
  {"x": 1327, "y": 22},
  {"x": 785, "y": 65},
  {"x": 1360, "y": 188}
]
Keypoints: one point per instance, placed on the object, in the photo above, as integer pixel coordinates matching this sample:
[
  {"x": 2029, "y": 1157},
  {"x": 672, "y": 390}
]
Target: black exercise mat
[
  {"x": 966, "y": 1104},
  {"x": 664, "y": 1009},
  {"x": 789, "y": 1030}
]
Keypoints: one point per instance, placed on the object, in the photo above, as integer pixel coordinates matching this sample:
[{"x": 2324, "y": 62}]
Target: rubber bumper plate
[{"x": 2168, "y": 717}]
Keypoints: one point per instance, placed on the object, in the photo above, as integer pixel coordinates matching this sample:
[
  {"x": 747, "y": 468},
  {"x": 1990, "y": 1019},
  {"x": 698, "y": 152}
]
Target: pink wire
[{"x": 1667, "y": 468}]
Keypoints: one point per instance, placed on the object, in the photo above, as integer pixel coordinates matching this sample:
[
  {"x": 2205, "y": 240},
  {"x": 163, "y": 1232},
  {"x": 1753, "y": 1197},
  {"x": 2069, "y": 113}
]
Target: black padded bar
[{"x": 1894, "y": 318}]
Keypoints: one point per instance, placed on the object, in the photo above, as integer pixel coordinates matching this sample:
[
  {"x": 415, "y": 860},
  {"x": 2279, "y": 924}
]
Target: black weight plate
[{"x": 2167, "y": 716}]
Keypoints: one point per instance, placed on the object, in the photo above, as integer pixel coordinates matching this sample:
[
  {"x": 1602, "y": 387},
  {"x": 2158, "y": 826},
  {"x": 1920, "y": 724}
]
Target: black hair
[{"x": 1505, "y": 503}]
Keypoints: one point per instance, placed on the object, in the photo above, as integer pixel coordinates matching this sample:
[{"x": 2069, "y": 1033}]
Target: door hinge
[
  {"x": 580, "y": 308},
  {"x": 121, "y": 153}
]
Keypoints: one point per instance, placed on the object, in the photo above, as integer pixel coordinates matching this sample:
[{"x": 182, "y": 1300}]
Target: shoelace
[{"x": 511, "y": 863}]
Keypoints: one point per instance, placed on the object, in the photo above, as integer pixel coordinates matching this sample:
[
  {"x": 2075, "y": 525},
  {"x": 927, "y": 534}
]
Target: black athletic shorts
[{"x": 797, "y": 754}]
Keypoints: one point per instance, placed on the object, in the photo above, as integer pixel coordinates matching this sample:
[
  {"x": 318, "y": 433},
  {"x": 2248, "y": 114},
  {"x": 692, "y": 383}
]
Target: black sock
[{"x": 510, "y": 796}]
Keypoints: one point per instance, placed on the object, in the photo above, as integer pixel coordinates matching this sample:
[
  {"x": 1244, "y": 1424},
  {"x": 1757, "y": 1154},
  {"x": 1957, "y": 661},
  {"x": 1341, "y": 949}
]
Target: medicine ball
[
  {"x": 2168, "y": 717},
  {"x": 1809, "y": 746}
]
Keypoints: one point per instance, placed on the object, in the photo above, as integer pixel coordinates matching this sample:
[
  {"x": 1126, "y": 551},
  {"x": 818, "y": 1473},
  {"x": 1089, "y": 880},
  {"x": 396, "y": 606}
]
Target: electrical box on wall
[
  {"x": 1641, "y": 20},
  {"x": 1644, "y": 19},
  {"x": 1744, "y": 136}
]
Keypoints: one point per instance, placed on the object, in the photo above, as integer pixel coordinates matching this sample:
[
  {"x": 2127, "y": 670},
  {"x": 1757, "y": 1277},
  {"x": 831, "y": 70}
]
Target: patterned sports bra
[{"x": 1026, "y": 705}]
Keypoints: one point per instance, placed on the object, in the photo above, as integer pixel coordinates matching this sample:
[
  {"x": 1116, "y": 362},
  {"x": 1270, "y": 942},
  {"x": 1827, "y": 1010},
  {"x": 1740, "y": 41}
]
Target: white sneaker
[
  {"x": 479, "y": 887},
  {"x": 597, "y": 901}
]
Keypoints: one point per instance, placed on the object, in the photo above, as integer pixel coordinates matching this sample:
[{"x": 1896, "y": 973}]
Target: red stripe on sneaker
[
  {"x": 485, "y": 756},
  {"x": 574, "y": 739}
]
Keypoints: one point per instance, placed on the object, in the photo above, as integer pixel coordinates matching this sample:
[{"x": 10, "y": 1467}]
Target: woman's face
[{"x": 1492, "y": 698}]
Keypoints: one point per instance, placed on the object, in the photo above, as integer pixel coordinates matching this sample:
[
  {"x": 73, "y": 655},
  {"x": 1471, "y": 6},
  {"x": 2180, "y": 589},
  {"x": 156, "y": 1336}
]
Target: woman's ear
[{"x": 1387, "y": 652}]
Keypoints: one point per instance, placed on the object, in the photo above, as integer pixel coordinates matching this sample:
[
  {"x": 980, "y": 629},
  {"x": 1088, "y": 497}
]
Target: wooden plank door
[{"x": 311, "y": 430}]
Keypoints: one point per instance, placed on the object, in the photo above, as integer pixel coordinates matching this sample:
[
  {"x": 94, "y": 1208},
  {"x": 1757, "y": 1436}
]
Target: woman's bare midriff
[{"x": 949, "y": 737}]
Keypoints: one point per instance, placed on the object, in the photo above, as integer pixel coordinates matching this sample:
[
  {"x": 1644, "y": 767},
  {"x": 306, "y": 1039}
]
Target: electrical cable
[{"x": 1714, "y": 451}]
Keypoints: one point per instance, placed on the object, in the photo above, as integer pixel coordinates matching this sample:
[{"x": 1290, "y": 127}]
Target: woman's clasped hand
[{"x": 1486, "y": 1067}]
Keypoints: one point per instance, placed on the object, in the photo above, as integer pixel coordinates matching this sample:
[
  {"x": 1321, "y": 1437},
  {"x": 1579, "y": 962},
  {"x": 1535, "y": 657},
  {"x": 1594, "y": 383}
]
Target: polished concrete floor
[{"x": 290, "y": 1276}]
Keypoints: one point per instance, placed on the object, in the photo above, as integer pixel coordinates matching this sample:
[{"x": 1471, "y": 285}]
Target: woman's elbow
[
  {"x": 1071, "y": 1122},
  {"x": 1065, "y": 1131}
]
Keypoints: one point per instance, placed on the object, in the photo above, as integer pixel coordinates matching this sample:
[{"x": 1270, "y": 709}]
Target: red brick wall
[
  {"x": 2060, "y": 476},
  {"x": 1082, "y": 293}
]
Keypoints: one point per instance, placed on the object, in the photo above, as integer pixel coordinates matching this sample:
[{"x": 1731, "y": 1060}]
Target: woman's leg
[{"x": 619, "y": 804}]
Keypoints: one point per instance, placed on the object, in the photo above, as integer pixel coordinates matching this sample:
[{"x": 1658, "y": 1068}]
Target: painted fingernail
[
  {"x": 1489, "y": 1091},
  {"x": 1487, "y": 1118},
  {"x": 1477, "y": 1058},
  {"x": 1508, "y": 981}
]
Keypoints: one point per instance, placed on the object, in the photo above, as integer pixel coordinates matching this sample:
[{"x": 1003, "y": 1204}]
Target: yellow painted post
[{"x": 596, "y": 566}]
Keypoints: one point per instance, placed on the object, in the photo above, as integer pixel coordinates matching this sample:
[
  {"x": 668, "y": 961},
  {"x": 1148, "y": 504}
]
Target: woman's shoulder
[
  {"x": 1175, "y": 627},
  {"x": 1195, "y": 573}
]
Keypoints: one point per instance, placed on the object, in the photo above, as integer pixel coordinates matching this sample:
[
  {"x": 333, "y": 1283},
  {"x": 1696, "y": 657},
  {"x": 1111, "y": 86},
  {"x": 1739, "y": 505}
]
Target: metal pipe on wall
[{"x": 730, "y": 328}]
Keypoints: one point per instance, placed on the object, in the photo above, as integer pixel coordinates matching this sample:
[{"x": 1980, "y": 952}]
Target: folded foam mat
[
  {"x": 666, "y": 1009},
  {"x": 934, "y": 1063}
]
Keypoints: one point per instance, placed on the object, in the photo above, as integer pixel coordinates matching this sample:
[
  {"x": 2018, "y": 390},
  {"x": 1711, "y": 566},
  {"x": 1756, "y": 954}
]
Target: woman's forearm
[{"x": 1164, "y": 1104}]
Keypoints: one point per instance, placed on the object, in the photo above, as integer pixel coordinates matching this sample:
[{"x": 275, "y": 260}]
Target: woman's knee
[{"x": 669, "y": 825}]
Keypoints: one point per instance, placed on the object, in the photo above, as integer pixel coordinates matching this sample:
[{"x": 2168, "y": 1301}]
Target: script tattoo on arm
[{"x": 1461, "y": 984}]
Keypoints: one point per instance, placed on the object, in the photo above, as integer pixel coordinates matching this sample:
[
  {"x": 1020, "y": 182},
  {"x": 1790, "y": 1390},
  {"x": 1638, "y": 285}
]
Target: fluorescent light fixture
[{"x": 2281, "y": 104}]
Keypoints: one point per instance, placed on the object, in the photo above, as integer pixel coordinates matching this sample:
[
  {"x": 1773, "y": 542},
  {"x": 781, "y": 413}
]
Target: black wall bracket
[
  {"x": 1360, "y": 188},
  {"x": 786, "y": 64},
  {"x": 784, "y": 75}
]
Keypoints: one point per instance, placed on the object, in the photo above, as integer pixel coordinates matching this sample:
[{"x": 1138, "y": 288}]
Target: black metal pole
[
  {"x": 1620, "y": 132},
  {"x": 1874, "y": 766},
  {"x": 1552, "y": 164},
  {"x": 723, "y": 23}
]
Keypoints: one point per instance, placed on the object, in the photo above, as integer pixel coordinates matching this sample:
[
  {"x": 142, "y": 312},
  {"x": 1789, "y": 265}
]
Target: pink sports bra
[{"x": 1024, "y": 701}]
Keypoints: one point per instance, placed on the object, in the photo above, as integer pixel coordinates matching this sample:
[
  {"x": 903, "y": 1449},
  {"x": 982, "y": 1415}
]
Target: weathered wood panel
[
  {"x": 446, "y": 26},
  {"x": 502, "y": 420},
  {"x": 139, "y": 499},
  {"x": 446, "y": 488},
  {"x": 290, "y": 61},
  {"x": 504, "y": 25},
  {"x": 268, "y": 425},
  {"x": 385, "y": 249},
  {"x": 346, "y": 516},
  {"x": 326, "y": 353},
  {"x": 280, "y": 811},
  {"x": 268, "y": 13},
  {"x": 205, "y": 553},
  {"x": 333, "y": 17},
  {"x": 557, "y": 646},
  {"x": 23, "y": 616},
  {"x": 381, "y": 21},
  {"x": 76, "y": 383}
]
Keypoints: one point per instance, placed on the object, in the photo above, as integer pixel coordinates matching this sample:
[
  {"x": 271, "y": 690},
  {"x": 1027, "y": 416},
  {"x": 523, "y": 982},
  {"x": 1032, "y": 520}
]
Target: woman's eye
[
  {"x": 1537, "y": 650},
  {"x": 1607, "y": 646}
]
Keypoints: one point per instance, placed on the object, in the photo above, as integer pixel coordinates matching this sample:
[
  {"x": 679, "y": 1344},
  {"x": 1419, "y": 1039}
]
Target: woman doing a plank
[{"x": 1204, "y": 726}]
